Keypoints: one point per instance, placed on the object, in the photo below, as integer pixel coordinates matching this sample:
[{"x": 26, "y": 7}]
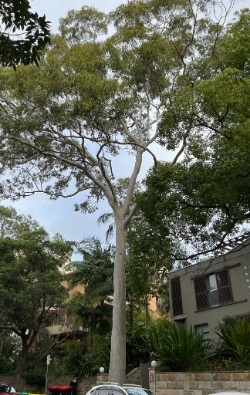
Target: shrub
[
  {"x": 36, "y": 377},
  {"x": 158, "y": 332},
  {"x": 181, "y": 348},
  {"x": 75, "y": 357},
  {"x": 138, "y": 348},
  {"x": 234, "y": 337}
]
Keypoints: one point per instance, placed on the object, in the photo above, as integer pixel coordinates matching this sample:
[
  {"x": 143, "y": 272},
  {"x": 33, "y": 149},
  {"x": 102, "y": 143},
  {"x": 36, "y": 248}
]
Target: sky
[{"x": 59, "y": 216}]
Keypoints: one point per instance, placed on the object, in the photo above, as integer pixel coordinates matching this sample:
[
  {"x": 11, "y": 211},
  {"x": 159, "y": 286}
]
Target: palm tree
[{"x": 92, "y": 307}]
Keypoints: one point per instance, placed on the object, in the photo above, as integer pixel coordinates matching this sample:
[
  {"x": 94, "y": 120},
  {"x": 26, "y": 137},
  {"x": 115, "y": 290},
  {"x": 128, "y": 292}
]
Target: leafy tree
[
  {"x": 93, "y": 306},
  {"x": 9, "y": 349},
  {"x": 203, "y": 202},
  {"x": 30, "y": 280},
  {"x": 148, "y": 259},
  {"x": 97, "y": 98},
  {"x": 23, "y": 35}
]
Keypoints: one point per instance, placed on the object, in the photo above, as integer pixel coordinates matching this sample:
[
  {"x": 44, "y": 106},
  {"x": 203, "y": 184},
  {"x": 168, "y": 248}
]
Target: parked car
[
  {"x": 7, "y": 389},
  {"x": 108, "y": 388}
]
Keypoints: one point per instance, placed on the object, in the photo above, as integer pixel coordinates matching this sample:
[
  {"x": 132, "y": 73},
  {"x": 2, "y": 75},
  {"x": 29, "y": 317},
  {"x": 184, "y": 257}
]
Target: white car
[
  {"x": 7, "y": 389},
  {"x": 109, "y": 388}
]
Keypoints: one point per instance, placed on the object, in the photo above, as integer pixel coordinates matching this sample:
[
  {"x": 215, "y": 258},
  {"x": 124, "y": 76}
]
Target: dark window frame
[
  {"x": 176, "y": 296},
  {"x": 202, "y": 292}
]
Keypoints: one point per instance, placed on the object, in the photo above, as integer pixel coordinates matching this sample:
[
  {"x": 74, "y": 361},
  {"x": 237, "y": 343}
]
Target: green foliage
[
  {"x": 95, "y": 268},
  {"x": 35, "y": 377},
  {"x": 30, "y": 280},
  {"x": 203, "y": 200},
  {"x": 24, "y": 33},
  {"x": 158, "y": 331},
  {"x": 150, "y": 81},
  {"x": 234, "y": 337},
  {"x": 9, "y": 349},
  {"x": 83, "y": 25},
  {"x": 186, "y": 349},
  {"x": 138, "y": 345},
  {"x": 179, "y": 348},
  {"x": 147, "y": 254},
  {"x": 92, "y": 308},
  {"x": 75, "y": 356},
  {"x": 96, "y": 357}
]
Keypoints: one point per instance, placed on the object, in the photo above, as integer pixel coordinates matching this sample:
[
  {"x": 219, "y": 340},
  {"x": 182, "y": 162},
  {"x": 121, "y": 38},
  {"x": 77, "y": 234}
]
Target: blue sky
[
  {"x": 55, "y": 9},
  {"x": 59, "y": 216}
]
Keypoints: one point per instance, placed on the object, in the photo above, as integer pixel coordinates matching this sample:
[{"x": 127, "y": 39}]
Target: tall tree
[
  {"x": 204, "y": 201},
  {"x": 23, "y": 33},
  {"x": 30, "y": 280},
  {"x": 96, "y": 98}
]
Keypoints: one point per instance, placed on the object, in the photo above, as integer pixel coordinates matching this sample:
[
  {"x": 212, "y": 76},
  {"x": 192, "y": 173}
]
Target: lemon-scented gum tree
[{"x": 65, "y": 125}]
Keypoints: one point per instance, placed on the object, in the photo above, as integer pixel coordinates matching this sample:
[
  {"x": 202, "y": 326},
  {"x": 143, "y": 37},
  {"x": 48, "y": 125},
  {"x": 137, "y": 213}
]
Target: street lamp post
[{"x": 46, "y": 377}]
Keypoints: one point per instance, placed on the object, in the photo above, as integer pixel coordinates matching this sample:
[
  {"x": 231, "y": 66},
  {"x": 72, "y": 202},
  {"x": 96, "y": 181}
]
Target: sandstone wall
[{"x": 197, "y": 383}]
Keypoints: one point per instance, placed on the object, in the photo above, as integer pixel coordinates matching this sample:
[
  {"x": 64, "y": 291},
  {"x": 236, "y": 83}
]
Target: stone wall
[
  {"x": 197, "y": 383},
  {"x": 83, "y": 385}
]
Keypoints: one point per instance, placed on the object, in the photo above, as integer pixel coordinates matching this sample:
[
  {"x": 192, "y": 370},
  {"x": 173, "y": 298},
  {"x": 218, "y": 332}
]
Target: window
[
  {"x": 107, "y": 391},
  {"x": 138, "y": 391},
  {"x": 176, "y": 296},
  {"x": 213, "y": 290},
  {"x": 203, "y": 329}
]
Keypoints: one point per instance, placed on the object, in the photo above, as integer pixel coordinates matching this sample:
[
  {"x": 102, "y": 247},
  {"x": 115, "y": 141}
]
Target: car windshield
[
  {"x": 5, "y": 388},
  {"x": 138, "y": 391}
]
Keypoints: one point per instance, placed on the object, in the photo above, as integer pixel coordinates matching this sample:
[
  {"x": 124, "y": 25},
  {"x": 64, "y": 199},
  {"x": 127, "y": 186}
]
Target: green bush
[
  {"x": 36, "y": 377},
  {"x": 77, "y": 358},
  {"x": 7, "y": 365},
  {"x": 138, "y": 346},
  {"x": 158, "y": 332},
  {"x": 181, "y": 348},
  {"x": 234, "y": 337}
]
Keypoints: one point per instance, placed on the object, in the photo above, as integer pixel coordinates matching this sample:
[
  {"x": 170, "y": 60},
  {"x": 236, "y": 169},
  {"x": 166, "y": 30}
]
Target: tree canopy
[
  {"x": 23, "y": 35},
  {"x": 30, "y": 280},
  {"x": 98, "y": 99},
  {"x": 203, "y": 201}
]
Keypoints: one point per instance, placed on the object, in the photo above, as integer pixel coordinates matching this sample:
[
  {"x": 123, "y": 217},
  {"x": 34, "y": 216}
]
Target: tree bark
[
  {"x": 21, "y": 363},
  {"x": 117, "y": 368}
]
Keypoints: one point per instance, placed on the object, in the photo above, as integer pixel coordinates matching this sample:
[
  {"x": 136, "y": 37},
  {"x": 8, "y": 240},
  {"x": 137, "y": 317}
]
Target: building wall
[{"x": 239, "y": 261}]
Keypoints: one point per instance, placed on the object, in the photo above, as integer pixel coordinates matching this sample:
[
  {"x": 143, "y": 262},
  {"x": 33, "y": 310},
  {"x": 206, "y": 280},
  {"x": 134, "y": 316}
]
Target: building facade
[{"x": 205, "y": 294}]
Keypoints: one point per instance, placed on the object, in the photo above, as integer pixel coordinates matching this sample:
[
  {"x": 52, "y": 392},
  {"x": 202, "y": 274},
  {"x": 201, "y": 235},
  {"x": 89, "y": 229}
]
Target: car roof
[
  {"x": 117, "y": 385},
  {"x": 111, "y": 383}
]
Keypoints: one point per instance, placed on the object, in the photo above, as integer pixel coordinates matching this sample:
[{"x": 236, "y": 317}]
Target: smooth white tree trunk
[{"x": 117, "y": 369}]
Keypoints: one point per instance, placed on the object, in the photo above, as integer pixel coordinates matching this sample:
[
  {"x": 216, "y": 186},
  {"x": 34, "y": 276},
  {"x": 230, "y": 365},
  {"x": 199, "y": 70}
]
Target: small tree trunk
[
  {"x": 21, "y": 364},
  {"x": 117, "y": 369}
]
